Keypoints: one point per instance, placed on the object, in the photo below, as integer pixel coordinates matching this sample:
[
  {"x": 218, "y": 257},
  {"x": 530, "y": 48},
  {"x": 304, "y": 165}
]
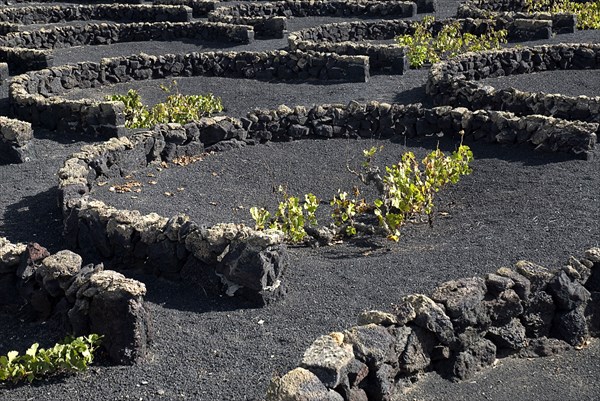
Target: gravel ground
[{"x": 215, "y": 349}]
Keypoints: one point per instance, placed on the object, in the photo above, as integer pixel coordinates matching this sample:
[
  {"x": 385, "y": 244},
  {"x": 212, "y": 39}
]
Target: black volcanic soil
[{"x": 517, "y": 204}]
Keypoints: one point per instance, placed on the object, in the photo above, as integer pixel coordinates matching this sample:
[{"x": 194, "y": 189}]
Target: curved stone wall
[
  {"x": 382, "y": 120},
  {"x": 268, "y": 18},
  {"x": 48, "y": 14},
  {"x": 87, "y": 299},
  {"x": 459, "y": 329},
  {"x": 200, "y": 8},
  {"x": 349, "y": 38},
  {"x": 35, "y": 96},
  {"x": 455, "y": 81},
  {"x": 521, "y": 25},
  {"x": 226, "y": 258},
  {"x": 107, "y": 33},
  {"x": 15, "y": 136}
]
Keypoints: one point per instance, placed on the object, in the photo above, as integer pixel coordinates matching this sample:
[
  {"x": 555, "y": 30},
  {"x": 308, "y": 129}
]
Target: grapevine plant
[
  {"x": 423, "y": 47},
  {"x": 588, "y": 14},
  {"x": 71, "y": 355},
  {"x": 177, "y": 108},
  {"x": 406, "y": 193}
]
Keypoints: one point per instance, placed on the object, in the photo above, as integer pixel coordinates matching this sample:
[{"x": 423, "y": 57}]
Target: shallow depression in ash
[
  {"x": 240, "y": 96},
  {"x": 564, "y": 82}
]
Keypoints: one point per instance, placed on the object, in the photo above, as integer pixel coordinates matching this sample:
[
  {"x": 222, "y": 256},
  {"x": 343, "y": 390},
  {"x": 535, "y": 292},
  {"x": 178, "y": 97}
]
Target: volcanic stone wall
[
  {"x": 454, "y": 82},
  {"x": 349, "y": 38},
  {"x": 267, "y": 17},
  {"x": 225, "y": 257},
  {"x": 15, "y": 136},
  {"x": 87, "y": 299},
  {"x": 46, "y": 14},
  {"x": 382, "y": 120},
  {"x": 459, "y": 329},
  {"x": 200, "y": 8},
  {"x": 35, "y": 97},
  {"x": 107, "y": 33},
  {"x": 21, "y": 60},
  {"x": 520, "y": 24}
]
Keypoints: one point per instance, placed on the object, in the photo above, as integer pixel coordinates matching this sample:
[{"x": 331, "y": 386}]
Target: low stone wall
[
  {"x": 15, "y": 136},
  {"x": 107, "y": 33},
  {"x": 266, "y": 18},
  {"x": 350, "y": 38},
  {"x": 200, "y": 8},
  {"x": 87, "y": 299},
  {"x": 46, "y": 14},
  {"x": 522, "y": 25},
  {"x": 382, "y": 120},
  {"x": 226, "y": 258},
  {"x": 21, "y": 60},
  {"x": 35, "y": 96},
  {"x": 459, "y": 329},
  {"x": 454, "y": 82}
]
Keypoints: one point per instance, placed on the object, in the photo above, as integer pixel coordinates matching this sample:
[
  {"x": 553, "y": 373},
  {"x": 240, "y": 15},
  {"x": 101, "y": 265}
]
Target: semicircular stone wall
[{"x": 456, "y": 81}]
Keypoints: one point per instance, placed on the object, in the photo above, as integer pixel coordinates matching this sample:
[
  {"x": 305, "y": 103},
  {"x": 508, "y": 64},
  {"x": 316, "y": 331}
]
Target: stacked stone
[
  {"x": 226, "y": 258},
  {"x": 15, "y": 136},
  {"x": 522, "y": 25},
  {"x": 200, "y": 8},
  {"x": 382, "y": 120},
  {"x": 21, "y": 60},
  {"x": 452, "y": 82},
  {"x": 48, "y": 14},
  {"x": 87, "y": 299},
  {"x": 461, "y": 328},
  {"x": 269, "y": 19},
  {"x": 348, "y": 38},
  {"x": 107, "y": 33}
]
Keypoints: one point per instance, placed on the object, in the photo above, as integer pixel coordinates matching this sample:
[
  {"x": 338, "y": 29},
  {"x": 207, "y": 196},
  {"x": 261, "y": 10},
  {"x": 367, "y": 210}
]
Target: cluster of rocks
[
  {"x": 269, "y": 19},
  {"x": 107, "y": 33},
  {"x": 459, "y": 329},
  {"x": 520, "y": 24},
  {"x": 453, "y": 81},
  {"x": 15, "y": 137},
  {"x": 86, "y": 299},
  {"x": 35, "y": 96},
  {"x": 200, "y": 8},
  {"x": 229, "y": 258},
  {"x": 50, "y": 14}
]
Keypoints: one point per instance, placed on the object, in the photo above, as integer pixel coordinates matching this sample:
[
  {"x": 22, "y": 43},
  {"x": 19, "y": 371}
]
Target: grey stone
[
  {"x": 522, "y": 286},
  {"x": 126, "y": 339},
  {"x": 328, "y": 358},
  {"x": 538, "y": 313},
  {"x": 417, "y": 354},
  {"x": 511, "y": 336},
  {"x": 497, "y": 284},
  {"x": 537, "y": 275},
  {"x": 479, "y": 355},
  {"x": 571, "y": 326},
  {"x": 429, "y": 315},
  {"x": 568, "y": 294},
  {"x": 543, "y": 346},
  {"x": 376, "y": 317},
  {"x": 372, "y": 344},
  {"x": 300, "y": 385}
]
